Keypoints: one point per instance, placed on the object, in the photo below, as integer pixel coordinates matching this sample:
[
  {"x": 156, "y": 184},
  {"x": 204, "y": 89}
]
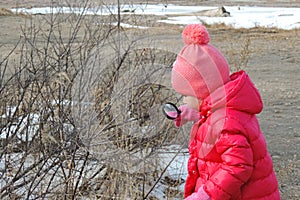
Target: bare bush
[{"x": 80, "y": 111}]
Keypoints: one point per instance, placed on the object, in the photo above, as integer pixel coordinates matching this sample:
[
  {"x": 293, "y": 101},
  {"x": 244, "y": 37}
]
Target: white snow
[
  {"x": 240, "y": 16},
  {"x": 25, "y": 128},
  {"x": 248, "y": 17}
]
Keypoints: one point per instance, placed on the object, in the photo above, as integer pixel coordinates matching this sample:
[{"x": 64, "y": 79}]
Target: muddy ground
[{"x": 273, "y": 62}]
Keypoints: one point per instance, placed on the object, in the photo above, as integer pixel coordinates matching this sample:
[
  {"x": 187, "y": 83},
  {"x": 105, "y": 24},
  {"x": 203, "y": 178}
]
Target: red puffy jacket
[{"x": 228, "y": 153}]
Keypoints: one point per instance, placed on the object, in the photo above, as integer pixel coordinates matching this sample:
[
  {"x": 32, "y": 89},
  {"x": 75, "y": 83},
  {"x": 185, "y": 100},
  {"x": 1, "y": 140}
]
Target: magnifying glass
[{"x": 171, "y": 111}]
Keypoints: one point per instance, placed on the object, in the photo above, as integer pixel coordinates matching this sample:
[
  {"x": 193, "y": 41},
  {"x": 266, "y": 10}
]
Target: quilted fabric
[{"x": 228, "y": 153}]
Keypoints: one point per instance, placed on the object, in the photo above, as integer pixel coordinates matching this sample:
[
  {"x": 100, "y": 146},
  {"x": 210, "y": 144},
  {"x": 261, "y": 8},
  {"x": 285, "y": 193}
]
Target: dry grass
[{"x": 6, "y": 12}]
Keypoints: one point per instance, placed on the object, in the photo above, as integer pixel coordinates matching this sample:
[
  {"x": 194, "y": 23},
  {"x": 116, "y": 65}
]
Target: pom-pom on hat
[
  {"x": 200, "y": 68},
  {"x": 195, "y": 34}
]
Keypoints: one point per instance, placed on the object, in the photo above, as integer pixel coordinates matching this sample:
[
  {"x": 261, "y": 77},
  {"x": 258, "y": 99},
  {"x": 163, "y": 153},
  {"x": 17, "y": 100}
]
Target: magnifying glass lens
[{"x": 171, "y": 111}]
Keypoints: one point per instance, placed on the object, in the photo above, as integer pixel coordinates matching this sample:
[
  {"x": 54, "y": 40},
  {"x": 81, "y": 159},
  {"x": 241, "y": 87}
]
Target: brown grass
[{"x": 6, "y": 12}]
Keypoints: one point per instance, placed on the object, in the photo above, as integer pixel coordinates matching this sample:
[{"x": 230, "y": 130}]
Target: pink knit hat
[{"x": 200, "y": 68}]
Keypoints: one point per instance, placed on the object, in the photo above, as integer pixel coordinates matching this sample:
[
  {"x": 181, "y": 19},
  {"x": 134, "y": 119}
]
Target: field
[{"x": 270, "y": 56}]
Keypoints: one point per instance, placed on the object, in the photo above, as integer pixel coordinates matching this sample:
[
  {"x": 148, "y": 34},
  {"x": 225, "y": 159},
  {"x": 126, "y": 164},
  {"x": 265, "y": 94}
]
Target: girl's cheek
[{"x": 184, "y": 100}]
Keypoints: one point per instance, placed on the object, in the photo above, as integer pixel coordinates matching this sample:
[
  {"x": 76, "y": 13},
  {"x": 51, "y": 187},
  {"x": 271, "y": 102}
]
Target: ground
[{"x": 273, "y": 63}]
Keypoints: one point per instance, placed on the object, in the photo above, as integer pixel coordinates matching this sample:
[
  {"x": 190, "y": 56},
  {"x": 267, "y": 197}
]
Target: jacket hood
[{"x": 239, "y": 94}]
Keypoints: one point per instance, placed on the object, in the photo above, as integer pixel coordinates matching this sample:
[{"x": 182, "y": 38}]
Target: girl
[{"x": 228, "y": 153}]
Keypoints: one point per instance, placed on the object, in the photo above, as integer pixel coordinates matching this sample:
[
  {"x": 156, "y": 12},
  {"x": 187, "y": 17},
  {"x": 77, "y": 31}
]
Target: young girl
[{"x": 228, "y": 153}]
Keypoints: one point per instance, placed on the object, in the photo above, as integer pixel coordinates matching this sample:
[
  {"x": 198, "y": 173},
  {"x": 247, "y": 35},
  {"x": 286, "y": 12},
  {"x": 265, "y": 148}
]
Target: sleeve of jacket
[{"x": 235, "y": 169}]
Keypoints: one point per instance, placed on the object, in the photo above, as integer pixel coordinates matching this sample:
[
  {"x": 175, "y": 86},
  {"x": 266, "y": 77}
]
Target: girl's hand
[{"x": 187, "y": 114}]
